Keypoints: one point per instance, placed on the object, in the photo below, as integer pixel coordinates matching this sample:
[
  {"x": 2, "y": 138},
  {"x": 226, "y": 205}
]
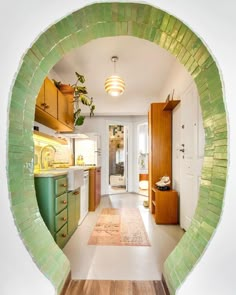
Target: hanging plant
[{"x": 80, "y": 96}]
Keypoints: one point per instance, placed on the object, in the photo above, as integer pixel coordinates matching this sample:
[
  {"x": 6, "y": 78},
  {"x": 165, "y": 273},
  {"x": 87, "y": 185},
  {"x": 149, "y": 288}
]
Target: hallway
[{"x": 124, "y": 262}]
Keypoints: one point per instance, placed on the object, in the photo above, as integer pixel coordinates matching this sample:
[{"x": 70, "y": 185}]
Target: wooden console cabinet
[
  {"x": 160, "y": 144},
  {"x": 164, "y": 206}
]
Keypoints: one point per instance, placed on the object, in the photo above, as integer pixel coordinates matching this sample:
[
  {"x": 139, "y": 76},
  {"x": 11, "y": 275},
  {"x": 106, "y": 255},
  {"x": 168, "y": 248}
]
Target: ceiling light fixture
[{"x": 114, "y": 85}]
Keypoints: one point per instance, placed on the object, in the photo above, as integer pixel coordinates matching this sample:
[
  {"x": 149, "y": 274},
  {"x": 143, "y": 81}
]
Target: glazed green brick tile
[
  {"x": 156, "y": 17},
  {"x": 220, "y": 162},
  {"x": 201, "y": 50},
  {"x": 107, "y": 12},
  {"x": 43, "y": 45},
  {"x": 186, "y": 38},
  {"x": 163, "y": 39},
  {"x": 170, "y": 27},
  {"x": 38, "y": 54},
  {"x": 216, "y": 202},
  {"x": 39, "y": 75},
  {"x": 181, "y": 54},
  {"x": 222, "y": 149},
  {"x": 219, "y": 182},
  {"x": 92, "y": 14},
  {"x": 77, "y": 17},
  {"x": 150, "y": 33},
  {"x": 177, "y": 49},
  {"x": 176, "y": 29},
  {"x": 121, "y": 28},
  {"x": 203, "y": 201},
  {"x": 122, "y": 12},
  {"x": 208, "y": 63},
  {"x": 157, "y": 37},
  {"x": 189, "y": 63},
  {"x": 220, "y": 156},
  {"x": 173, "y": 45},
  {"x": 205, "y": 55},
  {"x": 194, "y": 69},
  {"x": 67, "y": 46},
  {"x": 182, "y": 270},
  {"x": 200, "y": 243},
  {"x": 143, "y": 14},
  {"x": 220, "y": 142},
  {"x": 193, "y": 45},
  {"x": 167, "y": 42},
  {"x": 52, "y": 36},
  {"x": 165, "y": 22},
  {"x": 181, "y": 33},
  {"x": 220, "y": 135}
]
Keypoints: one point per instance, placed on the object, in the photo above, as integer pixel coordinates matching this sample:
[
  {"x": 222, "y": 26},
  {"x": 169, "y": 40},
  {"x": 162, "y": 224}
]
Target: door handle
[{"x": 181, "y": 150}]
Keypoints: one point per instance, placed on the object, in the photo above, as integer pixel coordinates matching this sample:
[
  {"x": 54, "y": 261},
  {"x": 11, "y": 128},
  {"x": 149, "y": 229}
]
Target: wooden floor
[{"x": 96, "y": 287}]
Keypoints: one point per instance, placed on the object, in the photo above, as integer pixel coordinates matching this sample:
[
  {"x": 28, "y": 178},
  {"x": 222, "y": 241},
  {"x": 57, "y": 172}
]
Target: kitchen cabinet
[
  {"x": 65, "y": 109},
  {"x": 51, "y": 193},
  {"x": 47, "y": 98},
  {"x": 94, "y": 188},
  {"x": 73, "y": 210},
  {"x": 165, "y": 206},
  {"x": 53, "y": 109}
]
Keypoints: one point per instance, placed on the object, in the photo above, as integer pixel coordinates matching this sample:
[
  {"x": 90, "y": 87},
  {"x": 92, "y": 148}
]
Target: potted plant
[{"x": 79, "y": 97}]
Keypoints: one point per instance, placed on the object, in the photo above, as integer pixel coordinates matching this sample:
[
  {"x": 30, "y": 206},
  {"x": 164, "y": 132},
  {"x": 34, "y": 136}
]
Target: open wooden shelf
[
  {"x": 170, "y": 105},
  {"x": 56, "y": 139}
]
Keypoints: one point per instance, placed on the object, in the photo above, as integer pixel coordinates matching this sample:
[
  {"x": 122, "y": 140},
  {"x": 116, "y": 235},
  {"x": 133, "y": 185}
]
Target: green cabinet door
[
  {"x": 71, "y": 213},
  {"x": 77, "y": 206}
]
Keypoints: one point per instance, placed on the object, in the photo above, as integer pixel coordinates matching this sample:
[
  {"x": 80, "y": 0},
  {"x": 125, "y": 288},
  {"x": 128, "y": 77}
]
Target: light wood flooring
[{"x": 105, "y": 287}]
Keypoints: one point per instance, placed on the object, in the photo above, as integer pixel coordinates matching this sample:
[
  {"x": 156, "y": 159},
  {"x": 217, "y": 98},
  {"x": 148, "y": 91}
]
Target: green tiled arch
[{"x": 96, "y": 21}]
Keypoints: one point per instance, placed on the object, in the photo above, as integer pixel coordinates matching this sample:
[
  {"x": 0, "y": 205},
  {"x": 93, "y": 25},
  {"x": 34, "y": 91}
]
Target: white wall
[
  {"x": 100, "y": 125},
  {"x": 21, "y": 22}
]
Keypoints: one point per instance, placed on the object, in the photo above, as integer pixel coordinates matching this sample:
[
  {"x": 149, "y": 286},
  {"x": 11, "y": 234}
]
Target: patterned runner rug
[{"x": 119, "y": 227}]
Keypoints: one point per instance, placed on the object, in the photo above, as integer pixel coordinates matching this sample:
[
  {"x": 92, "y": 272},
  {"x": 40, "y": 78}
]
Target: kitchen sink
[{"x": 75, "y": 175}]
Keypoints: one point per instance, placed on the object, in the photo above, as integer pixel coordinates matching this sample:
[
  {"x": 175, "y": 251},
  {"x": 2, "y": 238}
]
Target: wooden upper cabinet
[
  {"x": 65, "y": 109},
  {"x": 40, "y": 98},
  {"x": 53, "y": 109},
  {"x": 50, "y": 98}
]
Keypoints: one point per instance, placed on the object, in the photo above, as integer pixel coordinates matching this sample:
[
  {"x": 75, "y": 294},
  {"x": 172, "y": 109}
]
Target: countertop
[{"x": 52, "y": 172}]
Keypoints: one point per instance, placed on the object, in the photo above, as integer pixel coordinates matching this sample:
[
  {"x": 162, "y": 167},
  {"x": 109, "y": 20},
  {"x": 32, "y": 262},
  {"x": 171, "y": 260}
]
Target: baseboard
[
  {"x": 165, "y": 285},
  {"x": 66, "y": 284}
]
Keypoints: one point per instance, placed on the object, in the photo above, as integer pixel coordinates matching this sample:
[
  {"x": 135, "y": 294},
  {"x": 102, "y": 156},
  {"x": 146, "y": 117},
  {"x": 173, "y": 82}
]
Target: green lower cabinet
[
  {"x": 73, "y": 210},
  {"x": 62, "y": 236},
  {"x": 51, "y": 193}
]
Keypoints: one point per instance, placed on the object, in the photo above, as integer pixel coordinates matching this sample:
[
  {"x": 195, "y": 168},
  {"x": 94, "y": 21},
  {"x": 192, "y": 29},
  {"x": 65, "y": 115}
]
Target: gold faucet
[{"x": 44, "y": 164}]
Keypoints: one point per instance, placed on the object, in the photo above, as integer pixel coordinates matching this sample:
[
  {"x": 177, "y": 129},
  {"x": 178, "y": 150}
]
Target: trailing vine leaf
[
  {"x": 79, "y": 121},
  {"x": 80, "y": 96}
]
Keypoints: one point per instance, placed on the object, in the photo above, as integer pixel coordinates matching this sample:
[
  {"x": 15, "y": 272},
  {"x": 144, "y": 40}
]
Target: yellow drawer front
[
  {"x": 61, "y": 219},
  {"x": 61, "y": 236},
  {"x": 60, "y": 185},
  {"x": 61, "y": 202}
]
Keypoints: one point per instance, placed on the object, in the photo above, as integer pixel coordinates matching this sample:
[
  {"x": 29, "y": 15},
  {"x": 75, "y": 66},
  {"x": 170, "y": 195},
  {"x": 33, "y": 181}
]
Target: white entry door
[{"x": 191, "y": 154}]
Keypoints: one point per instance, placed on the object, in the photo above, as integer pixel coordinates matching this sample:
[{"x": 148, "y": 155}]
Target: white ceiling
[{"x": 144, "y": 66}]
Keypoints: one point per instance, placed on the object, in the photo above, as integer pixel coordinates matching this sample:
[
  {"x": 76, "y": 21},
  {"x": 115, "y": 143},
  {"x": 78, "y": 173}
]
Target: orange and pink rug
[{"x": 119, "y": 227}]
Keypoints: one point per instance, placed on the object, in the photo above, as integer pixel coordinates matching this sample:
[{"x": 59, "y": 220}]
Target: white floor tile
[{"x": 121, "y": 262}]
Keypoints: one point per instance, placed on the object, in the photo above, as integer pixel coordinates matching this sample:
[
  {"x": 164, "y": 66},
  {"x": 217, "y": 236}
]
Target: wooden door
[
  {"x": 191, "y": 154},
  {"x": 50, "y": 98},
  {"x": 40, "y": 98},
  {"x": 65, "y": 109}
]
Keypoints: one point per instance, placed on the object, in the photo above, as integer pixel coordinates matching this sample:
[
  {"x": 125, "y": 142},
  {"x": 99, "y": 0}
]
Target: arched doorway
[{"x": 78, "y": 28}]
